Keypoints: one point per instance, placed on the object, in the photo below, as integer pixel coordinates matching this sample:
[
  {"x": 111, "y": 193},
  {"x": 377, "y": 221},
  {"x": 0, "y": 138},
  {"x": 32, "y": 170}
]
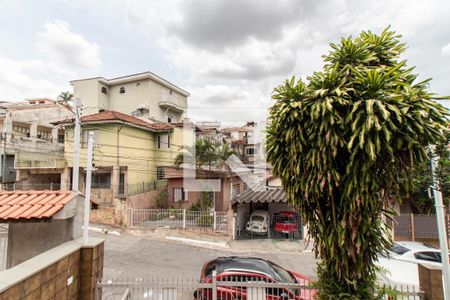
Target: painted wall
[{"x": 140, "y": 93}]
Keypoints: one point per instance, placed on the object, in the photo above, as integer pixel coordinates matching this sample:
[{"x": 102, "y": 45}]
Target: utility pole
[
  {"x": 76, "y": 146},
  {"x": 440, "y": 218},
  {"x": 87, "y": 194},
  {"x": 4, "y": 157}
]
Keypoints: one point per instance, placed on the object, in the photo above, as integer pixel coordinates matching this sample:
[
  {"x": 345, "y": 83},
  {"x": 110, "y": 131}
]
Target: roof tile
[
  {"x": 118, "y": 116},
  {"x": 22, "y": 205}
]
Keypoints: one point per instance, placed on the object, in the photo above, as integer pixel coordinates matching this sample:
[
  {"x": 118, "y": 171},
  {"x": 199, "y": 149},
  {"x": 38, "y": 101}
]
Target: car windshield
[
  {"x": 438, "y": 254},
  {"x": 258, "y": 218},
  {"x": 397, "y": 249},
  {"x": 283, "y": 275},
  {"x": 285, "y": 219}
]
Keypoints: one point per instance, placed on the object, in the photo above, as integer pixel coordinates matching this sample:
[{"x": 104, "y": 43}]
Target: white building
[{"x": 143, "y": 95}]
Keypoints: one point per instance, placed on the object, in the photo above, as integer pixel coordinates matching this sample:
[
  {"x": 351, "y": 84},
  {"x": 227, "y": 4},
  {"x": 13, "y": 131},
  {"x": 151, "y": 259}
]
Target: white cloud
[
  {"x": 21, "y": 79},
  {"x": 446, "y": 50},
  {"x": 59, "y": 44}
]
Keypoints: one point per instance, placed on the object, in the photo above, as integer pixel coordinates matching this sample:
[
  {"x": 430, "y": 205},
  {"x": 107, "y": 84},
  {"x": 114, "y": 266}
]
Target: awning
[{"x": 267, "y": 196}]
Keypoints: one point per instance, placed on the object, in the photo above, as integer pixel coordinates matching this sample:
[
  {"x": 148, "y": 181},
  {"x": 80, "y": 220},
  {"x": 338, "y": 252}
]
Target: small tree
[
  {"x": 65, "y": 96},
  {"x": 162, "y": 200},
  {"x": 342, "y": 143}
]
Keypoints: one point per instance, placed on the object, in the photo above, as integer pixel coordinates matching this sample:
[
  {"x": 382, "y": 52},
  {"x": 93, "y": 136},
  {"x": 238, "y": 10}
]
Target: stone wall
[{"x": 68, "y": 271}]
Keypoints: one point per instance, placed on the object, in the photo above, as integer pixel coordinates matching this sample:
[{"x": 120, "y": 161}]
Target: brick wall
[{"x": 71, "y": 277}]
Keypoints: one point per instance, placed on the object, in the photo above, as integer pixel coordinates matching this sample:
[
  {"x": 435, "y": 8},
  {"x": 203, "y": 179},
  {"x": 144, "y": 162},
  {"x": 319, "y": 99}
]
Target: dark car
[{"x": 233, "y": 273}]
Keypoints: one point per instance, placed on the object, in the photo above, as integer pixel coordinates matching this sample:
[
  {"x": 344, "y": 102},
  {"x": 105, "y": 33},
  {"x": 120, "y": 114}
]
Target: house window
[
  {"x": 104, "y": 90},
  {"x": 160, "y": 174},
  {"x": 163, "y": 141},
  {"x": 61, "y": 138},
  {"x": 169, "y": 119},
  {"x": 122, "y": 90},
  {"x": 41, "y": 102},
  {"x": 236, "y": 190},
  {"x": 250, "y": 151},
  {"x": 101, "y": 181},
  {"x": 121, "y": 184},
  {"x": 179, "y": 195},
  {"x": 85, "y": 137},
  {"x": 32, "y": 102}
]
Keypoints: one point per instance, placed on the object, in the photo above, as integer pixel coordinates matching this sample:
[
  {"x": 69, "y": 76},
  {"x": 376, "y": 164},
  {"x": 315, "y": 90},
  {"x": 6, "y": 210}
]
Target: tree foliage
[
  {"x": 205, "y": 153},
  {"x": 420, "y": 200},
  {"x": 342, "y": 142},
  {"x": 65, "y": 96}
]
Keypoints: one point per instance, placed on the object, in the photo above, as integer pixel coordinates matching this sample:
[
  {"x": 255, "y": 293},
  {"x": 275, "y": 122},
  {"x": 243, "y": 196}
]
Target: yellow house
[{"x": 128, "y": 158}]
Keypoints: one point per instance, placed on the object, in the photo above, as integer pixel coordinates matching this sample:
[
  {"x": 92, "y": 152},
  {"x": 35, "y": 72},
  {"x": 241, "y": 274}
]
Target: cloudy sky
[{"x": 229, "y": 54}]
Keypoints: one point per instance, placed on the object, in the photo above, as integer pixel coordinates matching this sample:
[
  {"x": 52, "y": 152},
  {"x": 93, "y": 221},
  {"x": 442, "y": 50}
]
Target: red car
[
  {"x": 286, "y": 222},
  {"x": 233, "y": 273}
]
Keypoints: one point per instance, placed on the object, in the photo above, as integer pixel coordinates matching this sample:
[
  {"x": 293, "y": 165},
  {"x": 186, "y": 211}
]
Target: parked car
[
  {"x": 242, "y": 270},
  {"x": 400, "y": 266},
  {"x": 398, "y": 274},
  {"x": 258, "y": 222},
  {"x": 286, "y": 222},
  {"x": 416, "y": 252}
]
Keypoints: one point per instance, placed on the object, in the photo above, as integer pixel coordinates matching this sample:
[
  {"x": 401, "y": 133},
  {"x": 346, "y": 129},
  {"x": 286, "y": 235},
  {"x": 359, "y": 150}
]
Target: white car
[
  {"x": 401, "y": 268},
  {"x": 398, "y": 274},
  {"x": 416, "y": 252},
  {"x": 258, "y": 222}
]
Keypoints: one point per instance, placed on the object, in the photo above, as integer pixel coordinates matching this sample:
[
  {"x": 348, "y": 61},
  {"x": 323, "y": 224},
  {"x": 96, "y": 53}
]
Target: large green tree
[{"x": 342, "y": 142}]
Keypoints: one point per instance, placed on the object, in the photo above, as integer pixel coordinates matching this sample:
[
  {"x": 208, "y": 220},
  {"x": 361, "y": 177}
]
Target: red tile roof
[
  {"x": 25, "y": 205},
  {"x": 118, "y": 116}
]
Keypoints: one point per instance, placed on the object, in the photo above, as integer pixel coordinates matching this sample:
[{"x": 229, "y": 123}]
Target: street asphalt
[{"x": 141, "y": 256}]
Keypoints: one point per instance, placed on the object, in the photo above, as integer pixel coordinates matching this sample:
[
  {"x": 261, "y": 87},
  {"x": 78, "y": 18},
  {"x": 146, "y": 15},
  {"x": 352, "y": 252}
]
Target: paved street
[{"x": 128, "y": 256}]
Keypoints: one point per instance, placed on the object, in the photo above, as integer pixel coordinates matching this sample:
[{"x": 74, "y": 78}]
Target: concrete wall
[{"x": 26, "y": 240}]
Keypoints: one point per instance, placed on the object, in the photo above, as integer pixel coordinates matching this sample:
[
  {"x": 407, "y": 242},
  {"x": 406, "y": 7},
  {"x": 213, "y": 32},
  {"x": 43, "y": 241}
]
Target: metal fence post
[
  {"x": 184, "y": 218},
  {"x": 215, "y": 220},
  {"x": 413, "y": 234},
  {"x": 214, "y": 285}
]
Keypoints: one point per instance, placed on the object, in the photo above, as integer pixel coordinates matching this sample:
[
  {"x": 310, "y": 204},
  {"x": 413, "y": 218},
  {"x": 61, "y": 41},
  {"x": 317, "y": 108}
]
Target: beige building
[
  {"x": 33, "y": 147},
  {"x": 144, "y": 95}
]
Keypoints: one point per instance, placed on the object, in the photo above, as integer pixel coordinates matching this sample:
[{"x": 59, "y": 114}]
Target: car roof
[
  {"x": 260, "y": 212},
  {"x": 287, "y": 213},
  {"x": 416, "y": 246},
  {"x": 244, "y": 264}
]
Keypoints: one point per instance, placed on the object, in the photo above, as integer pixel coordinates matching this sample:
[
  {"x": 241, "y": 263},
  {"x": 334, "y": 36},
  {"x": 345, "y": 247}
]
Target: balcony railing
[{"x": 177, "y": 103}]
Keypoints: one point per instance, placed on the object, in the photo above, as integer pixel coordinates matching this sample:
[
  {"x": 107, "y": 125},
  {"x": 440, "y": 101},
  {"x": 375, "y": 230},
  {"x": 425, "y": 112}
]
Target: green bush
[{"x": 162, "y": 200}]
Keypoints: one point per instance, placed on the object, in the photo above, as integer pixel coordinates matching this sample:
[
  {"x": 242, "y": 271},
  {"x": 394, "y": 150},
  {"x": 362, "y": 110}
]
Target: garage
[{"x": 265, "y": 215}]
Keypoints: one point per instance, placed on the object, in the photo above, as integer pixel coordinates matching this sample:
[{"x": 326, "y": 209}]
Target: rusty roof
[
  {"x": 26, "y": 205},
  {"x": 115, "y": 116}
]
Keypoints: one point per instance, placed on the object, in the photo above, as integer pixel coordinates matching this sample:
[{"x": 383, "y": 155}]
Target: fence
[
  {"x": 31, "y": 186},
  {"x": 143, "y": 187},
  {"x": 178, "y": 218},
  {"x": 254, "y": 287},
  {"x": 417, "y": 227}
]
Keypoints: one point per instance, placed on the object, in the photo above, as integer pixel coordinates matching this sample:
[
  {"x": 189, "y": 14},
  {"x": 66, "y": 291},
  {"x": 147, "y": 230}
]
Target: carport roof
[{"x": 267, "y": 196}]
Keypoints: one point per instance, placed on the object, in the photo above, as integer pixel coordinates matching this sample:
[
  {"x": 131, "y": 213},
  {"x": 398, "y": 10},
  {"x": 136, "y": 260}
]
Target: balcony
[
  {"x": 177, "y": 104},
  {"x": 27, "y": 160}
]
